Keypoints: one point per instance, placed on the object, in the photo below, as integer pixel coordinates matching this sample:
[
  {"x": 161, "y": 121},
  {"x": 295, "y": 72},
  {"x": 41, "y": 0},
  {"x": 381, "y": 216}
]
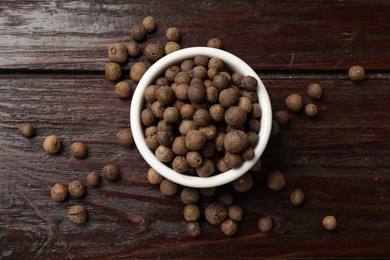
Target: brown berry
[
  {"x": 77, "y": 214},
  {"x": 138, "y": 33},
  {"x": 78, "y": 150},
  {"x": 76, "y": 189},
  {"x": 276, "y": 181},
  {"x": 265, "y": 224},
  {"x": 243, "y": 183},
  {"x": 154, "y": 177},
  {"x": 164, "y": 153},
  {"x": 235, "y": 116},
  {"x": 225, "y": 198},
  {"x": 356, "y": 73},
  {"x": 154, "y": 51},
  {"x": 113, "y": 71},
  {"x": 191, "y": 212},
  {"x": 249, "y": 83},
  {"x": 206, "y": 169},
  {"x": 235, "y": 212},
  {"x": 311, "y": 110},
  {"x": 228, "y": 97},
  {"x": 214, "y": 43},
  {"x": 59, "y": 192},
  {"x": 314, "y": 91},
  {"x": 215, "y": 213},
  {"x": 195, "y": 140},
  {"x": 111, "y": 172},
  {"x": 294, "y": 102},
  {"x": 282, "y": 117},
  {"x": 179, "y": 164},
  {"x": 179, "y": 145},
  {"x": 125, "y": 137},
  {"x": 189, "y": 195},
  {"x": 171, "y": 47},
  {"x": 229, "y": 227},
  {"x": 236, "y": 141},
  {"x": 149, "y": 23},
  {"x": 168, "y": 188},
  {"x": 173, "y": 34},
  {"x": 93, "y": 179},
  {"x": 137, "y": 71},
  {"x": 52, "y": 144},
  {"x": 123, "y": 89},
  {"x": 297, "y": 197},
  {"x": 133, "y": 49},
  {"x": 197, "y": 93},
  {"x": 165, "y": 95},
  {"x": 193, "y": 229},
  {"x": 194, "y": 159},
  {"x": 117, "y": 52},
  {"x": 329, "y": 223},
  {"x": 26, "y": 130},
  {"x": 275, "y": 128}
]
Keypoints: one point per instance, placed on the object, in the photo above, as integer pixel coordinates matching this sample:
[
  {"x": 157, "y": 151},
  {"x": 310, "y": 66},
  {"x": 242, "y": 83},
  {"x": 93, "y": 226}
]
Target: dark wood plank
[
  {"x": 340, "y": 159},
  {"x": 288, "y": 35}
]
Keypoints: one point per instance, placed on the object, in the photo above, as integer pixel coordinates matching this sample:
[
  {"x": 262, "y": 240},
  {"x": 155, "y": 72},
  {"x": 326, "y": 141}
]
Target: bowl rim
[{"x": 234, "y": 64}]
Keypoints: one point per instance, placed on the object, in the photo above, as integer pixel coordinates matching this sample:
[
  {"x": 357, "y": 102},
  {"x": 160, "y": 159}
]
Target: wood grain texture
[
  {"x": 340, "y": 159},
  {"x": 283, "y": 35}
]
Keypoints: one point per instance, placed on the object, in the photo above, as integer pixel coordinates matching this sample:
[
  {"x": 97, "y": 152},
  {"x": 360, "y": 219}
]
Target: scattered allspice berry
[
  {"x": 294, "y": 102},
  {"x": 77, "y": 214},
  {"x": 225, "y": 198},
  {"x": 149, "y": 23},
  {"x": 214, "y": 43},
  {"x": 125, "y": 137},
  {"x": 356, "y": 73},
  {"x": 113, "y": 71},
  {"x": 133, "y": 49},
  {"x": 297, "y": 197},
  {"x": 117, "y": 52},
  {"x": 243, "y": 183},
  {"x": 154, "y": 177},
  {"x": 276, "y": 181},
  {"x": 123, "y": 90},
  {"x": 111, "y": 172},
  {"x": 78, "y": 150},
  {"x": 59, "y": 192},
  {"x": 191, "y": 212},
  {"x": 138, "y": 33},
  {"x": 265, "y": 224},
  {"x": 329, "y": 223},
  {"x": 93, "y": 179},
  {"x": 275, "y": 128},
  {"x": 154, "y": 51},
  {"x": 282, "y": 117},
  {"x": 52, "y": 144},
  {"x": 189, "y": 195},
  {"x": 311, "y": 110},
  {"x": 168, "y": 188},
  {"x": 193, "y": 229},
  {"x": 229, "y": 227},
  {"x": 26, "y": 130},
  {"x": 137, "y": 71},
  {"x": 76, "y": 189},
  {"x": 173, "y": 34},
  {"x": 215, "y": 213},
  {"x": 314, "y": 91},
  {"x": 235, "y": 212},
  {"x": 171, "y": 47}
]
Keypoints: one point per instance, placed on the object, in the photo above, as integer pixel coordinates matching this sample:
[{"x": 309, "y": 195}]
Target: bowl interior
[{"x": 234, "y": 64}]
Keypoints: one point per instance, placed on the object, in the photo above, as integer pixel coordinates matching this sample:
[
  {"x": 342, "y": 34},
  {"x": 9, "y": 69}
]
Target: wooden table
[{"x": 52, "y": 57}]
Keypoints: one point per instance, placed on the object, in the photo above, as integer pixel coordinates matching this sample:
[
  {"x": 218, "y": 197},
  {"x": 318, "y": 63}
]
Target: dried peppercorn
[
  {"x": 59, "y": 192},
  {"x": 243, "y": 183},
  {"x": 265, "y": 224},
  {"x": 165, "y": 95},
  {"x": 111, "y": 172},
  {"x": 180, "y": 164},
  {"x": 125, "y": 137},
  {"x": 297, "y": 197},
  {"x": 52, "y": 144},
  {"x": 133, "y": 49},
  {"x": 179, "y": 145},
  {"x": 235, "y": 212},
  {"x": 173, "y": 34},
  {"x": 195, "y": 140},
  {"x": 77, "y": 214},
  {"x": 235, "y": 116},
  {"x": 314, "y": 91},
  {"x": 154, "y": 51},
  {"x": 93, "y": 179},
  {"x": 228, "y": 97},
  {"x": 113, "y": 71},
  {"x": 149, "y": 23},
  {"x": 329, "y": 223},
  {"x": 229, "y": 227},
  {"x": 26, "y": 130},
  {"x": 189, "y": 195},
  {"x": 206, "y": 169},
  {"x": 276, "y": 181},
  {"x": 275, "y": 128},
  {"x": 249, "y": 83},
  {"x": 215, "y": 213},
  {"x": 191, "y": 212},
  {"x": 194, "y": 159},
  {"x": 197, "y": 93},
  {"x": 171, "y": 47},
  {"x": 193, "y": 229},
  {"x": 123, "y": 89},
  {"x": 76, "y": 189},
  {"x": 164, "y": 153},
  {"x": 208, "y": 192},
  {"x": 311, "y": 110},
  {"x": 78, "y": 150},
  {"x": 236, "y": 141},
  {"x": 168, "y": 188},
  {"x": 225, "y": 198},
  {"x": 117, "y": 52},
  {"x": 154, "y": 177},
  {"x": 137, "y": 71},
  {"x": 282, "y": 117},
  {"x": 214, "y": 43},
  {"x": 356, "y": 73},
  {"x": 294, "y": 102}
]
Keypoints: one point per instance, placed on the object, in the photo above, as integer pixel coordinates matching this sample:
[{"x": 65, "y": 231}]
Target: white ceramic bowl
[{"x": 234, "y": 64}]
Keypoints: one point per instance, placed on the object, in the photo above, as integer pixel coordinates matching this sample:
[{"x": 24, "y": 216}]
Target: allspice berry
[
  {"x": 123, "y": 90},
  {"x": 249, "y": 83},
  {"x": 229, "y": 227},
  {"x": 149, "y": 23},
  {"x": 225, "y": 198},
  {"x": 154, "y": 51},
  {"x": 314, "y": 91},
  {"x": 168, "y": 188},
  {"x": 191, "y": 212},
  {"x": 173, "y": 34},
  {"x": 265, "y": 224},
  {"x": 282, "y": 117},
  {"x": 111, "y": 172},
  {"x": 214, "y": 43},
  {"x": 189, "y": 195},
  {"x": 276, "y": 181},
  {"x": 138, "y": 33},
  {"x": 235, "y": 116},
  {"x": 193, "y": 229},
  {"x": 311, "y": 110},
  {"x": 235, "y": 212},
  {"x": 77, "y": 214},
  {"x": 243, "y": 183},
  {"x": 236, "y": 141},
  {"x": 171, "y": 47},
  {"x": 59, "y": 192},
  {"x": 26, "y": 130},
  {"x": 125, "y": 137},
  {"x": 215, "y": 213},
  {"x": 113, "y": 71},
  {"x": 52, "y": 144},
  {"x": 195, "y": 140},
  {"x": 297, "y": 197},
  {"x": 294, "y": 102},
  {"x": 117, "y": 52},
  {"x": 133, "y": 49},
  {"x": 78, "y": 150},
  {"x": 154, "y": 177},
  {"x": 76, "y": 189},
  {"x": 329, "y": 223},
  {"x": 93, "y": 179},
  {"x": 356, "y": 73},
  {"x": 137, "y": 71}
]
